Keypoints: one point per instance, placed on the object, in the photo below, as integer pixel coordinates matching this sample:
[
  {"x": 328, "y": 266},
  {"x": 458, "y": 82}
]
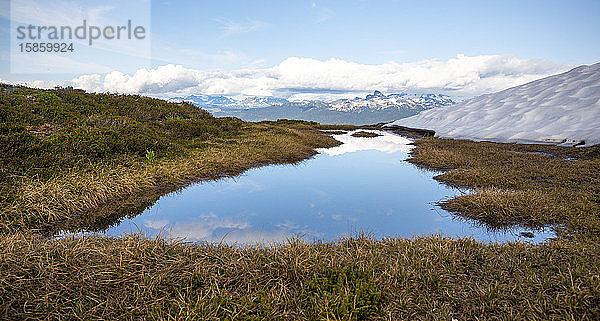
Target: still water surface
[{"x": 364, "y": 185}]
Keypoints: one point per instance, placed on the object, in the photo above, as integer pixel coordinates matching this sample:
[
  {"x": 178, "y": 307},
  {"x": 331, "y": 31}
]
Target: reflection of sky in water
[
  {"x": 363, "y": 185},
  {"x": 387, "y": 143}
]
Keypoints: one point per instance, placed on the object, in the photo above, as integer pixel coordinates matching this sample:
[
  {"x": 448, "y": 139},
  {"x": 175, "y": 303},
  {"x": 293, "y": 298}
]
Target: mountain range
[
  {"x": 379, "y": 101},
  {"x": 218, "y": 101},
  {"x": 560, "y": 109},
  {"x": 373, "y": 108}
]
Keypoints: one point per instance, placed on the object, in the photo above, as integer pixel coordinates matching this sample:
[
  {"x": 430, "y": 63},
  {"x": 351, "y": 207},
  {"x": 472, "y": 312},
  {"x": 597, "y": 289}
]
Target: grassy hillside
[
  {"x": 64, "y": 150},
  {"x": 44, "y": 131}
]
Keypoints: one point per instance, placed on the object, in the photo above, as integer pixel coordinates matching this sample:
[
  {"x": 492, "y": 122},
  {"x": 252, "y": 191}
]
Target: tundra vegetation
[
  {"x": 365, "y": 134},
  {"x": 64, "y": 151}
]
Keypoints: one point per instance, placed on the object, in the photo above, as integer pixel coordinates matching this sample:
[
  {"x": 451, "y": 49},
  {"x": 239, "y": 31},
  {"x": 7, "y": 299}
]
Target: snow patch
[{"x": 561, "y": 109}]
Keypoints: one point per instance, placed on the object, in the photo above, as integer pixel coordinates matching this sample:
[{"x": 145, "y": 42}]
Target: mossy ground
[
  {"x": 528, "y": 185},
  {"x": 430, "y": 278},
  {"x": 365, "y": 134}
]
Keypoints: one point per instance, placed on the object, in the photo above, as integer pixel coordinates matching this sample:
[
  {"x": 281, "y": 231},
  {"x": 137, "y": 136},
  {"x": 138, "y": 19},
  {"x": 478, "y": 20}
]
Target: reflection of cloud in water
[
  {"x": 227, "y": 230},
  {"x": 339, "y": 217},
  {"x": 387, "y": 143},
  {"x": 289, "y": 225},
  {"x": 156, "y": 224},
  {"x": 251, "y": 236},
  {"x": 236, "y": 184}
]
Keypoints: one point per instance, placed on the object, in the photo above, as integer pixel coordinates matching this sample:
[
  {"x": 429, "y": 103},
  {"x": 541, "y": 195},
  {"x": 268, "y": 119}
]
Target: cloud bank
[{"x": 460, "y": 76}]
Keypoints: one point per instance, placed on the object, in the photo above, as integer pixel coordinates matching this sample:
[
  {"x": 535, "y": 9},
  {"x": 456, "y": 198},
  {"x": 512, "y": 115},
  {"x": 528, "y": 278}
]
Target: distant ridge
[
  {"x": 374, "y": 108},
  {"x": 377, "y": 101}
]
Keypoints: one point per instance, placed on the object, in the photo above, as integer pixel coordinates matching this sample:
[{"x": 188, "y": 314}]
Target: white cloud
[
  {"x": 72, "y": 12},
  {"x": 322, "y": 14},
  {"x": 233, "y": 27},
  {"x": 39, "y": 12},
  {"x": 44, "y": 84},
  {"x": 461, "y": 76}
]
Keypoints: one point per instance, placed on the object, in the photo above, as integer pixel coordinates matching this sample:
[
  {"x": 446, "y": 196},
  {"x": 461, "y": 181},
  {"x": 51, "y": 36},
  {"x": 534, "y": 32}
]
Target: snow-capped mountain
[
  {"x": 376, "y": 101},
  {"x": 374, "y": 108},
  {"x": 206, "y": 100},
  {"x": 214, "y": 101},
  {"x": 561, "y": 109},
  {"x": 379, "y": 101},
  {"x": 257, "y": 102}
]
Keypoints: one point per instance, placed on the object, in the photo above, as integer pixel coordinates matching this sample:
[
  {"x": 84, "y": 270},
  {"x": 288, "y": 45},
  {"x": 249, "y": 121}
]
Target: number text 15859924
[{"x": 46, "y": 47}]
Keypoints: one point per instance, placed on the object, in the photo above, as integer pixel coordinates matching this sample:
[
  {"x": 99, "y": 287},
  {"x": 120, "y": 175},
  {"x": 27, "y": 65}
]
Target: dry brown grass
[
  {"x": 42, "y": 203},
  {"x": 429, "y": 278},
  {"x": 365, "y": 134},
  {"x": 529, "y": 185}
]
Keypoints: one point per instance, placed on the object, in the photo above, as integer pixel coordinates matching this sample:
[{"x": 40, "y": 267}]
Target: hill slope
[
  {"x": 42, "y": 131},
  {"x": 561, "y": 109}
]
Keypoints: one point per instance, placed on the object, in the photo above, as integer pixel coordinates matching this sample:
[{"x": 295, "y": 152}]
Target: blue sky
[
  {"x": 500, "y": 43},
  {"x": 373, "y": 32}
]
